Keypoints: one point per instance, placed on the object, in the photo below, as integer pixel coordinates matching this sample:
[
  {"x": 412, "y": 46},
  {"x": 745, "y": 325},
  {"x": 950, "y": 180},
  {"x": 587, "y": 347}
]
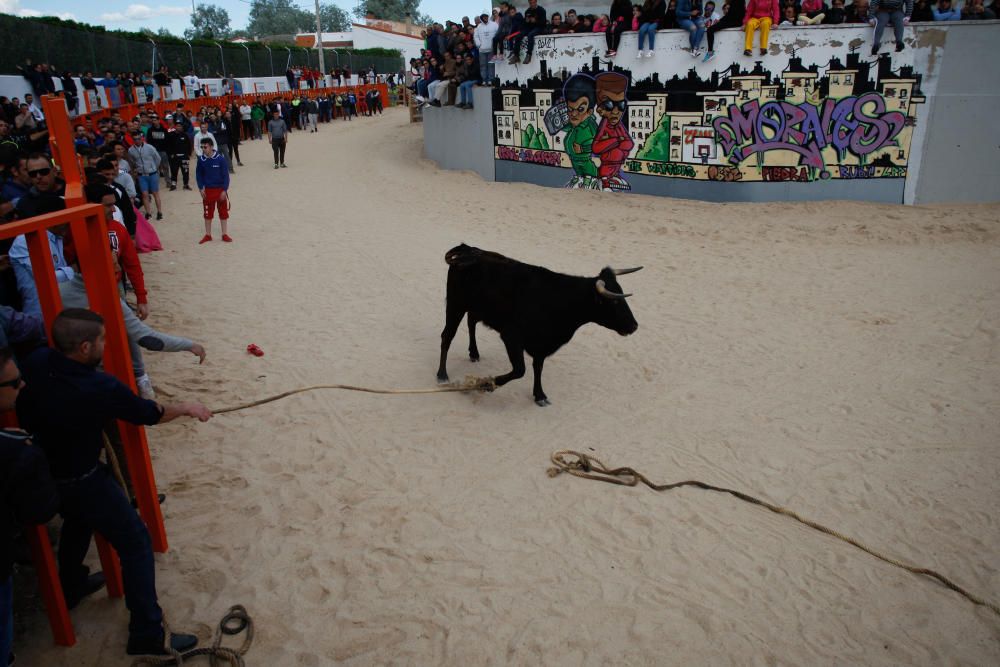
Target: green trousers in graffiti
[{"x": 579, "y": 141}]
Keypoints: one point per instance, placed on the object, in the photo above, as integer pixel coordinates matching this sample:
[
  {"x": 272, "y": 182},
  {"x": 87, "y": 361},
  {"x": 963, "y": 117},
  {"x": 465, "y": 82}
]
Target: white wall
[{"x": 365, "y": 38}]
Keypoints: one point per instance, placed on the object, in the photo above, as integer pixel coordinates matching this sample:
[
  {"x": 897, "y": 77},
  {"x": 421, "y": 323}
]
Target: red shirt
[{"x": 128, "y": 258}]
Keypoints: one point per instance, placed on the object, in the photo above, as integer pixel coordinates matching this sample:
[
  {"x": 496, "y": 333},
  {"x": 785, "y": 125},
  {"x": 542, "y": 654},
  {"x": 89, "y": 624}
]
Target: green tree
[
  {"x": 209, "y": 22},
  {"x": 333, "y": 19},
  {"x": 279, "y": 17},
  {"x": 392, "y": 10}
]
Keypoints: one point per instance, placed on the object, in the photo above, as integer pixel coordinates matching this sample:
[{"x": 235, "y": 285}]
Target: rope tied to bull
[
  {"x": 236, "y": 621},
  {"x": 586, "y": 466},
  {"x": 471, "y": 383}
]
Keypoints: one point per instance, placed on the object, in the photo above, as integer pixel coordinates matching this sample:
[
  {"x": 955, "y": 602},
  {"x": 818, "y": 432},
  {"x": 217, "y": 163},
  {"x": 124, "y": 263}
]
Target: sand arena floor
[{"x": 840, "y": 359}]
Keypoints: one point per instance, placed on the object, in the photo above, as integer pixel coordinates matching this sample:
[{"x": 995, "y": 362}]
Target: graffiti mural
[{"x": 843, "y": 119}]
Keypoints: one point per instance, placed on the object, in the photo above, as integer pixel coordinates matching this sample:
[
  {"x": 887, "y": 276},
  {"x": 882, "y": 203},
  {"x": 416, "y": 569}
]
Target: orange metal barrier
[{"x": 90, "y": 237}]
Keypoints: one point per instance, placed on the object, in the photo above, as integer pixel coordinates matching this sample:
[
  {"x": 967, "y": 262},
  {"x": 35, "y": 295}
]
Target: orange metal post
[{"x": 51, "y": 588}]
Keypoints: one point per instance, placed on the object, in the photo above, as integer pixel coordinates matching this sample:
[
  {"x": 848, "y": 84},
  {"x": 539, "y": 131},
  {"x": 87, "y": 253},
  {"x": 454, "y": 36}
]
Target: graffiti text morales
[{"x": 859, "y": 124}]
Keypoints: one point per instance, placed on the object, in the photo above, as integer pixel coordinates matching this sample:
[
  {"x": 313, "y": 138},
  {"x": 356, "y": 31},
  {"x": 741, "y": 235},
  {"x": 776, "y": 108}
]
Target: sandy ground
[{"x": 837, "y": 358}]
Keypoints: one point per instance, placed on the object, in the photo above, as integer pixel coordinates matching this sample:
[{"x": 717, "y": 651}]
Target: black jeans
[
  {"x": 526, "y": 34},
  {"x": 279, "y": 151},
  {"x": 179, "y": 162},
  {"x": 613, "y": 35},
  {"x": 97, "y": 503},
  {"x": 724, "y": 22}
]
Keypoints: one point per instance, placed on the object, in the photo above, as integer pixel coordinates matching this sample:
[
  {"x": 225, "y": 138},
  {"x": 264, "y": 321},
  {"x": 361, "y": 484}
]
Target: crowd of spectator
[
  {"x": 124, "y": 160},
  {"x": 509, "y": 33}
]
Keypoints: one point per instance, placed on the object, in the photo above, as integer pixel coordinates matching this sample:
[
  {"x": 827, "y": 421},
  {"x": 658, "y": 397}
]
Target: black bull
[{"x": 533, "y": 309}]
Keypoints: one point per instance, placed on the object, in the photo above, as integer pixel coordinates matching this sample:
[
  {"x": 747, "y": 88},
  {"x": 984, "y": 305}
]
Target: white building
[{"x": 363, "y": 36}]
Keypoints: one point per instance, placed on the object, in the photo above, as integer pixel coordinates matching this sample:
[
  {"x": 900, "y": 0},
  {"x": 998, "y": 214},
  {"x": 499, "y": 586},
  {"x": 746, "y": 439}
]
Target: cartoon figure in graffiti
[
  {"x": 580, "y": 95},
  {"x": 612, "y": 143}
]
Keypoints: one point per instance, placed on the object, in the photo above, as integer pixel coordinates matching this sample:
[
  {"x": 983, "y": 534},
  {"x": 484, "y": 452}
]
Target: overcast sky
[{"x": 176, "y": 16}]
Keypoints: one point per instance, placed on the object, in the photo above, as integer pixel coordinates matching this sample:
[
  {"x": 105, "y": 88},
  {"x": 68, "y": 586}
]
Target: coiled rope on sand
[{"x": 586, "y": 466}]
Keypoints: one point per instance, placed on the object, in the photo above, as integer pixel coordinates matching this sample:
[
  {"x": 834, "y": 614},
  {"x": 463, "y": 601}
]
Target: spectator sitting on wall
[
  {"x": 733, "y": 18},
  {"x": 945, "y": 12},
  {"x": 650, "y": 16},
  {"x": 836, "y": 14},
  {"x": 857, "y": 12},
  {"x": 110, "y": 85},
  {"x": 922, "y": 12},
  {"x": 789, "y": 15},
  {"x": 885, "y": 11},
  {"x": 812, "y": 12},
  {"x": 975, "y": 11},
  {"x": 469, "y": 78}
]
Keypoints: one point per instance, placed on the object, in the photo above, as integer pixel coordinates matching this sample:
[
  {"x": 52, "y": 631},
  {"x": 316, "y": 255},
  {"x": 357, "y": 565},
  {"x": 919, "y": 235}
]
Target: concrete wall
[
  {"x": 460, "y": 138},
  {"x": 816, "y": 118},
  {"x": 961, "y": 152}
]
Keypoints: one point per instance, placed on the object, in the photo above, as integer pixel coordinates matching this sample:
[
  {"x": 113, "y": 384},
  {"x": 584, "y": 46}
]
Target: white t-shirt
[
  {"x": 245, "y": 112},
  {"x": 191, "y": 81}
]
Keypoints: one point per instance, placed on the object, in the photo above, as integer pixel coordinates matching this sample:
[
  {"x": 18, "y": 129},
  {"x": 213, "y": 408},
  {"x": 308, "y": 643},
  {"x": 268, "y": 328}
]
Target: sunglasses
[
  {"x": 608, "y": 105},
  {"x": 13, "y": 384},
  {"x": 44, "y": 171}
]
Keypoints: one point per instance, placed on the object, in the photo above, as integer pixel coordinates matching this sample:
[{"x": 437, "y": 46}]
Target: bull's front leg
[
  {"x": 473, "y": 348},
  {"x": 540, "y": 398},
  {"x": 516, "y": 353}
]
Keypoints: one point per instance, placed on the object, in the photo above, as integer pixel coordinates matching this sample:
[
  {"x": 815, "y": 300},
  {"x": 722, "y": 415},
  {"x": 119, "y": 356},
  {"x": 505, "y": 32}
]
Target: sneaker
[
  {"x": 159, "y": 216},
  {"x": 640, "y": 54},
  {"x": 899, "y": 47},
  {"x": 145, "y": 386},
  {"x": 205, "y": 239},
  {"x": 708, "y": 56},
  {"x": 187, "y": 187},
  {"x": 227, "y": 238},
  {"x": 173, "y": 187},
  {"x": 650, "y": 54},
  {"x": 283, "y": 165},
  {"x": 748, "y": 53},
  {"x": 612, "y": 54},
  {"x": 695, "y": 53},
  {"x": 276, "y": 166},
  {"x": 178, "y": 642},
  {"x": 763, "y": 52}
]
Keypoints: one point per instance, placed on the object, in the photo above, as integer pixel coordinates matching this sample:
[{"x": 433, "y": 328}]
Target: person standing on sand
[
  {"x": 277, "y": 129},
  {"x": 212, "y": 175}
]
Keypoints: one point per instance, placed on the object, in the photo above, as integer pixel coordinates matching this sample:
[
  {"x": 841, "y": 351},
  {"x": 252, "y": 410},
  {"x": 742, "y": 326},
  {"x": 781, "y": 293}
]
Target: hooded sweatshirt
[{"x": 759, "y": 9}]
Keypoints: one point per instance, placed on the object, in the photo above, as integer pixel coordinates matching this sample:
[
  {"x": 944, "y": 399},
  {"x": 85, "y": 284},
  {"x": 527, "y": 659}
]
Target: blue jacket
[
  {"x": 212, "y": 172},
  {"x": 684, "y": 9}
]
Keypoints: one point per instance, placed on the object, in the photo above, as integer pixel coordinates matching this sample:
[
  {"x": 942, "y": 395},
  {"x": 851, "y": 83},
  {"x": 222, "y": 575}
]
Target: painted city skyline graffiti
[{"x": 847, "y": 119}]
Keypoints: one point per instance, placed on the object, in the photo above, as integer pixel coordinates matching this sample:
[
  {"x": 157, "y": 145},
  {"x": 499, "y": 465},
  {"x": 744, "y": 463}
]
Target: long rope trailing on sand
[
  {"x": 589, "y": 467},
  {"x": 469, "y": 384}
]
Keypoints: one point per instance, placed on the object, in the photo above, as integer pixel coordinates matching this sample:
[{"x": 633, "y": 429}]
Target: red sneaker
[
  {"x": 205, "y": 239},
  {"x": 227, "y": 238},
  {"x": 255, "y": 350}
]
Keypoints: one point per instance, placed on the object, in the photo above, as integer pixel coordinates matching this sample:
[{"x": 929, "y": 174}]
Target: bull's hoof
[
  {"x": 542, "y": 402},
  {"x": 442, "y": 378},
  {"x": 485, "y": 384},
  {"x": 473, "y": 357}
]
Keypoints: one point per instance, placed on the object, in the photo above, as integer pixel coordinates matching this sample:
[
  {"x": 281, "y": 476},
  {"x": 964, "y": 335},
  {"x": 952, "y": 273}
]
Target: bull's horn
[
  {"x": 622, "y": 272},
  {"x": 604, "y": 291}
]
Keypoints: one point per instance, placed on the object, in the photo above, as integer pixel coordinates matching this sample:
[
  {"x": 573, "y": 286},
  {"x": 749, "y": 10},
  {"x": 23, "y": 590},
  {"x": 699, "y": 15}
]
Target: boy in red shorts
[{"x": 212, "y": 175}]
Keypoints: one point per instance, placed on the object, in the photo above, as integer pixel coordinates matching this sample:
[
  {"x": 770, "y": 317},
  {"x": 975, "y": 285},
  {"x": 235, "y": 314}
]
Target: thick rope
[
  {"x": 234, "y": 622},
  {"x": 470, "y": 384},
  {"x": 589, "y": 467}
]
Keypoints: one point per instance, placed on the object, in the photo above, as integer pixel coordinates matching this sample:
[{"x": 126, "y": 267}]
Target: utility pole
[{"x": 319, "y": 42}]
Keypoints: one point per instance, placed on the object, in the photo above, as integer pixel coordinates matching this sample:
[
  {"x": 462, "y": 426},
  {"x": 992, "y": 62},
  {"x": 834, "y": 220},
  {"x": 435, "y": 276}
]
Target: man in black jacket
[
  {"x": 27, "y": 495},
  {"x": 534, "y": 25},
  {"x": 66, "y": 404}
]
